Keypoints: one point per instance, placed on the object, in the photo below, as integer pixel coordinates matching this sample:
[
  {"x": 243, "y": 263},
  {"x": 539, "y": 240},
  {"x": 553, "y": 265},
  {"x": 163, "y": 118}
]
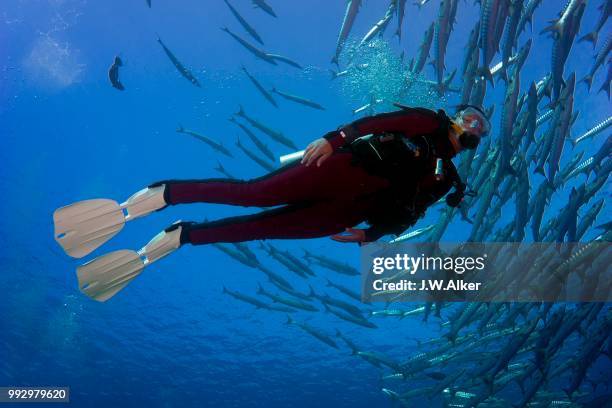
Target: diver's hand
[
  {"x": 318, "y": 150},
  {"x": 354, "y": 235}
]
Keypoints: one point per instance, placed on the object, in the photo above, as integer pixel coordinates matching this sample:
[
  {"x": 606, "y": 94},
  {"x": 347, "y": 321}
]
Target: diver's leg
[
  {"x": 337, "y": 177},
  {"x": 104, "y": 276},
  {"x": 290, "y": 222}
]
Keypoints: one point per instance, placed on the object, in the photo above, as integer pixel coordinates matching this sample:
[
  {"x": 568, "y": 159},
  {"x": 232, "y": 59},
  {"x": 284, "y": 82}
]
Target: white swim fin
[
  {"x": 82, "y": 227},
  {"x": 103, "y": 277}
]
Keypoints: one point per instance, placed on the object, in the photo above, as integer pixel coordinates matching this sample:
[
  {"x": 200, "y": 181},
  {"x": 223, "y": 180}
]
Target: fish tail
[
  {"x": 590, "y": 37},
  {"x": 334, "y": 60},
  {"x": 240, "y": 111},
  {"x": 333, "y": 73},
  {"x": 588, "y": 80},
  {"x": 446, "y": 83},
  {"x": 540, "y": 169},
  {"x": 554, "y": 28},
  {"x": 225, "y": 290},
  {"x": 260, "y": 289},
  {"x": 180, "y": 128},
  {"x": 289, "y": 320}
]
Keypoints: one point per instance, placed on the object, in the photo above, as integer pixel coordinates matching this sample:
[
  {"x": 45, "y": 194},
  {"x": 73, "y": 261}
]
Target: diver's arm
[{"x": 412, "y": 121}]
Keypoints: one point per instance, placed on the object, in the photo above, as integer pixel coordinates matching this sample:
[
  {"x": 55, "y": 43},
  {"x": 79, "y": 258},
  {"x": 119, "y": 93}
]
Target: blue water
[{"x": 172, "y": 338}]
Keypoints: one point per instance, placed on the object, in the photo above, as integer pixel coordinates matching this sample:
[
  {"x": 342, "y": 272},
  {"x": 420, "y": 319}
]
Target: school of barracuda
[{"x": 486, "y": 354}]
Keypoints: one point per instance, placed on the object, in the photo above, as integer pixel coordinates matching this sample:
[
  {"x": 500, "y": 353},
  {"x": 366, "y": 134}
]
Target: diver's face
[
  {"x": 473, "y": 126},
  {"x": 471, "y": 123}
]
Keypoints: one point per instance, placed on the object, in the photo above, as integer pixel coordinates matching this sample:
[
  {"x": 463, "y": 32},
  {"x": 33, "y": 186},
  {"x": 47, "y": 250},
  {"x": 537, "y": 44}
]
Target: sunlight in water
[
  {"x": 376, "y": 75},
  {"x": 53, "y": 64}
]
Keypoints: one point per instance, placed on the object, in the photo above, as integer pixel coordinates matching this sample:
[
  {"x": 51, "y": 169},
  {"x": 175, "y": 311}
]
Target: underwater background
[{"x": 173, "y": 338}]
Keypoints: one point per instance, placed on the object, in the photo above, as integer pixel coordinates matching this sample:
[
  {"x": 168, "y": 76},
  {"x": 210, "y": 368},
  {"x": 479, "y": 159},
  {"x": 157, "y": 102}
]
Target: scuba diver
[{"x": 385, "y": 169}]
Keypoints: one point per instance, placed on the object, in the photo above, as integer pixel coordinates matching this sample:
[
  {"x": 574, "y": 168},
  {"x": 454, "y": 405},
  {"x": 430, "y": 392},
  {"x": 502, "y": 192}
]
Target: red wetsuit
[{"x": 347, "y": 189}]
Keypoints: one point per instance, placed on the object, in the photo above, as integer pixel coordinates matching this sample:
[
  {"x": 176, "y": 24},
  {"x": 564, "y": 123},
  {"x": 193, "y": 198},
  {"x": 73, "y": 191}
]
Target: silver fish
[
  {"x": 563, "y": 31},
  {"x": 236, "y": 255},
  {"x": 346, "y": 291},
  {"x": 260, "y": 88},
  {"x": 179, "y": 66},
  {"x": 606, "y": 10},
  {"x": 352, "y": 8},
  {"x": 489, "y": 11},
  {"x": 222, "y": 170},
  {"x": 561, "y": 132},
  {"x": 313, "y": 332},
  {"x": 281, "y": 58},
  {"x": 442, "y": 31},
  {"x": 358, "y": 320},
  {"x": 298, "y": 99},
  {"x": 264, "y": 6},
  {"x": 244, "y": 23},
  {"x": 331, "y": 264},
  {"x": 380, "y": 26},
  {"x": 527, "y": 15},
  {"x": 276, "y": 135},
  {"x": 212, "y": 143},
  {"x": 595, "y": 130},
  {"x": 599, "y": 60},
  {"x": 256, "y": 141},
  {"x": 424, "y": 50},
  {"x": 297, "y": 304},
  {"x": 245, "y": 298},
  {"x": 401, "y": 8},
  {"x": 259, "y": 53},
  {"x": 413, "y": 234},
  {"x": 263, "y": 163}
]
